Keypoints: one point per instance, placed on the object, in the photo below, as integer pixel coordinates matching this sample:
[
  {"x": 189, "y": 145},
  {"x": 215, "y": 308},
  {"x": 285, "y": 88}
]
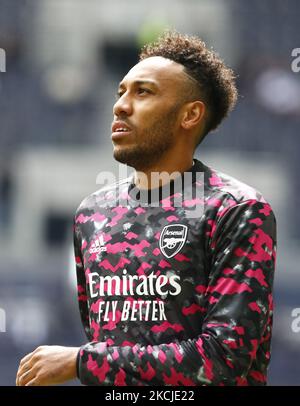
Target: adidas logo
[{"x": 98, "y": 246}]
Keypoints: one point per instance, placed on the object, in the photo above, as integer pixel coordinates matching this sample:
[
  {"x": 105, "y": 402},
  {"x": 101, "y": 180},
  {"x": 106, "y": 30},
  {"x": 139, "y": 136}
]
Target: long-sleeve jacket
[{"x": 170, "y": 297}]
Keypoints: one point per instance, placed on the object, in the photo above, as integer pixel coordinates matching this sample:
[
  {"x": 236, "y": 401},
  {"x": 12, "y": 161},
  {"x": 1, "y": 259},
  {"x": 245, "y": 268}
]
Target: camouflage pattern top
[{"x": 167, "y": 298}]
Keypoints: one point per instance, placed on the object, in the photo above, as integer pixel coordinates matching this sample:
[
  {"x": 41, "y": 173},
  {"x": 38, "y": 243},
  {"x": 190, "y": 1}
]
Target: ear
[{"x": 193, "y": 114}]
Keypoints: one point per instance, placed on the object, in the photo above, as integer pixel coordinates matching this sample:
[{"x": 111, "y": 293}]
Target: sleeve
[
  {"x": 239, "y": 303},
  {"x": 81, "y": 283}
]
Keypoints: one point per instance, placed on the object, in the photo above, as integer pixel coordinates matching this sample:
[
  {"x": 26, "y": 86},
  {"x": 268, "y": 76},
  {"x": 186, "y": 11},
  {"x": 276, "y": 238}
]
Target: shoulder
[
  {"x": 225, "y": 195},
  {"x": 236, "y": 211},
  {"x": 102, "y": 196},
  {"x": 222, "y": 184}
]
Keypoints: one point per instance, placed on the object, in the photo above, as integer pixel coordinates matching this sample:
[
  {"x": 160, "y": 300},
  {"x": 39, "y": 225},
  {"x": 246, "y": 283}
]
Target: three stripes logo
[{"x": 98, "y": 245}]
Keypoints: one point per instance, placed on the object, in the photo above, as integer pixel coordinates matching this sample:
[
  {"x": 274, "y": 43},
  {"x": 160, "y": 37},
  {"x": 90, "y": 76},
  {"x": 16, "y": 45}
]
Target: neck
[{"x": 150, "y": 178}]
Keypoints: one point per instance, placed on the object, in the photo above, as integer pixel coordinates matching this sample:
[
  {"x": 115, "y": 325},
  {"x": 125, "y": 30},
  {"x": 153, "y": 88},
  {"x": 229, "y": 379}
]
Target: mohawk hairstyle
[{"x": 216, "y": 82}]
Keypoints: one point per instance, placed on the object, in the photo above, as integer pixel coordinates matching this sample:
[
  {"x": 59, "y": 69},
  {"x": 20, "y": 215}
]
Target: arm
[
  {"x": 81, "y": 283},
  {"x": 49, "y": 365},
  {"x": 238, "y": 318}
]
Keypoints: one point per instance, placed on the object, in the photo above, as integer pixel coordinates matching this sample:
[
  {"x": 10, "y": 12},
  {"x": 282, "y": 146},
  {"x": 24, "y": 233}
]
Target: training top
[{"x": 176, "y": 292}]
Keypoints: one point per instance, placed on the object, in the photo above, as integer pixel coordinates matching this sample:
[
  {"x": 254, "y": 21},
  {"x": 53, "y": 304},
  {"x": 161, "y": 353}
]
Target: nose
[{"x": 123, "y": 106}]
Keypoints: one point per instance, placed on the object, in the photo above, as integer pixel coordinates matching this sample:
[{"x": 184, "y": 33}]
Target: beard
[{"x": 151, "y": 146}]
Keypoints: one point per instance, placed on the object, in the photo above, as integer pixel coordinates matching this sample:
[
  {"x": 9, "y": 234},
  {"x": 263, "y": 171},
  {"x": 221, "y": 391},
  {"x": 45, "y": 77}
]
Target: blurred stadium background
[{"x": 64, "y": 59}]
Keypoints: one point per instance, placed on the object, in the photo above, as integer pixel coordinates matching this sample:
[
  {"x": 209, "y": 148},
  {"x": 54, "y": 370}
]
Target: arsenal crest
[{"x": 172, "y": 239}]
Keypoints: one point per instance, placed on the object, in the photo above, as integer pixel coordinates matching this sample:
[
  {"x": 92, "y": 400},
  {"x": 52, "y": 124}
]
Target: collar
[{"x": 148, "y": 196}]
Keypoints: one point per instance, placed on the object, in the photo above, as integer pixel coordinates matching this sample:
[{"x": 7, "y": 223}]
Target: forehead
[{"x": 161, "y": 70}]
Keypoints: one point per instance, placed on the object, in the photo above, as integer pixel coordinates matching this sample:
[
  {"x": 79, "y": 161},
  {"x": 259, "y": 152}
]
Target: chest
[{"x": 143, "y": 240}]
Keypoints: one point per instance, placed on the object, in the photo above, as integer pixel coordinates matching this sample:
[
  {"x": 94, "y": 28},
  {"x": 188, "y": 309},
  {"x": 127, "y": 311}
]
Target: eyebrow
[{"x": 141, "y": 82}]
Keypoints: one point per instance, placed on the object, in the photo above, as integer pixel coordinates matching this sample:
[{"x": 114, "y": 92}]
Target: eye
[
  {"x": 142, "y": 90},
  {"x": 118, "y": 95}
]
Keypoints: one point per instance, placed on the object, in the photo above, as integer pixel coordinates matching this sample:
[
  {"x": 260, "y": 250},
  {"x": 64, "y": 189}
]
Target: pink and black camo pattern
[{"x": 217, "y": 330}]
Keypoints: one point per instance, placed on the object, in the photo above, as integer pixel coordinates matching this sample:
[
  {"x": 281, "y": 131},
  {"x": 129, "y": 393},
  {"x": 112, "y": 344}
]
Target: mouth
[{"x": 119, "y": 129}]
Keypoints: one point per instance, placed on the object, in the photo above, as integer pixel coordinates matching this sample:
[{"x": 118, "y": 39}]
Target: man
[{"x": 167, "y": 298}]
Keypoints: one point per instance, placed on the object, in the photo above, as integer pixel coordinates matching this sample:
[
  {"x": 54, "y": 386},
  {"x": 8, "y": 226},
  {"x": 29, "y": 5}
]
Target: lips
[
  {"x": 120, "y": 127},
  {"x": 120, "y": 131}
]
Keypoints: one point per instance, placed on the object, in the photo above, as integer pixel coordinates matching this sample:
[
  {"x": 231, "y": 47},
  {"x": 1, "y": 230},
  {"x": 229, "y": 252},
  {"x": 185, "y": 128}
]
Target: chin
[
  {"x": 131, "y": 158},
  {"x": 121, "y": 155}
]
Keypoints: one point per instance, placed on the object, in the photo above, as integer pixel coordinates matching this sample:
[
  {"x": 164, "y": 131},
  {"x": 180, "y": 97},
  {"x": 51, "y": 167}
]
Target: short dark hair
[{"x": 216, "y": 81}]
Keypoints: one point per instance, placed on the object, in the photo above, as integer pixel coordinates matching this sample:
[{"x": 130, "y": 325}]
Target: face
[{"x": 146, "y": 124}]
